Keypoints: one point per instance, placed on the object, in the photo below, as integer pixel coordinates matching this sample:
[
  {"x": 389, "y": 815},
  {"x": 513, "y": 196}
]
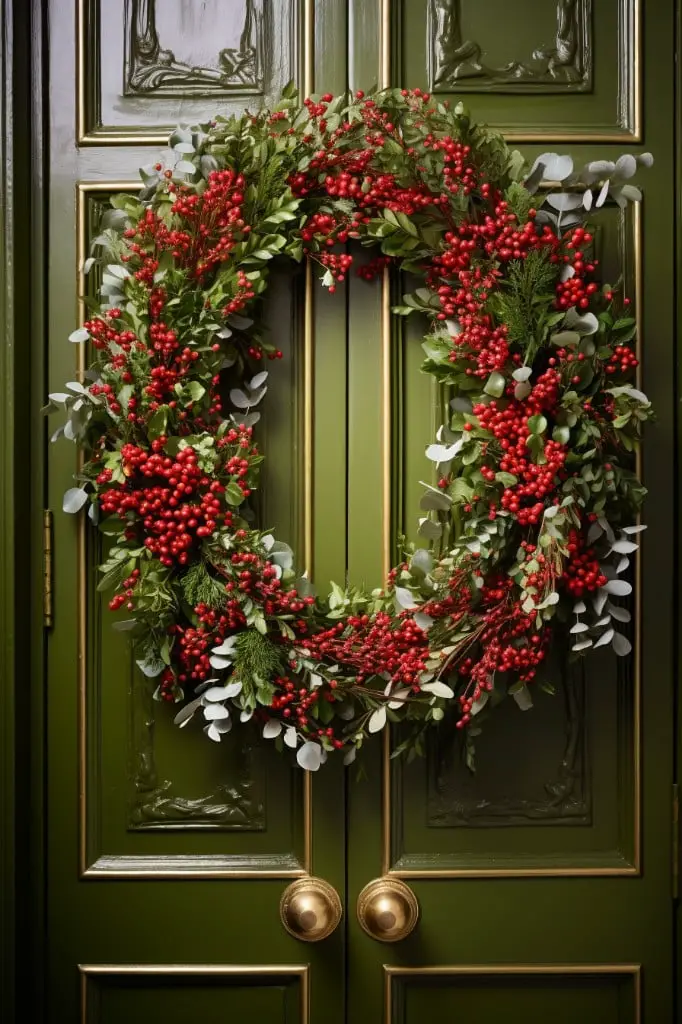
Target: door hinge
[
  {"x": 47, "y": 569},
  {"x": 676, "y": 841}
]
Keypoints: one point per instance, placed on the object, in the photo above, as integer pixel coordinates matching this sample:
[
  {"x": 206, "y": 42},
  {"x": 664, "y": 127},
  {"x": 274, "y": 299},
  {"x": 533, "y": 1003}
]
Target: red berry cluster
[
  {"x": 582, "y": 572},
  {"x": 375, "y": 645},
  {"x": 509, "y": 425}
]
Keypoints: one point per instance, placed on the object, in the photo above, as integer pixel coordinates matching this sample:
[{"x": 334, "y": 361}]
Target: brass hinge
[
  {"x": 676, "y": 841},
  {"x": 47, "y": 569}
]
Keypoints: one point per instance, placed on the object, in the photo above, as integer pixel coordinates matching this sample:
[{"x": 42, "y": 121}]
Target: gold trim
[
  {"x": 384, "y": 44},
  {"x": 48, "y": 609},
  {"x": 91, "y": 870},
  {"x": 499, "y": 970},
  {"x": 308, "y": 421},
  {"x": 308, "y": 46},
  {"x": 385, "y": 329},
  {"x": 110, "y": 136},
  {"x": 386, "y": 422},
  {"x": 300, "y": 971},
  {"x": 635, "y": 868}
]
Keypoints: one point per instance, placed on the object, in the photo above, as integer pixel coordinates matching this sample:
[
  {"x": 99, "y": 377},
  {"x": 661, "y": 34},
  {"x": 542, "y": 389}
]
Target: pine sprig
[
  {"x": 523, "y": 300},
  {"x": 199, "y": 587},
  {"x": 257, "y": 658}
]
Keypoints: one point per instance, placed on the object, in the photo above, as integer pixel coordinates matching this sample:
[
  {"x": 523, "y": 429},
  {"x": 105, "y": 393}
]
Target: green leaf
[
  {"x": 495, "y": 384},
  {"x": 508, "y": 479},
  {"x": 194, "y": 391},
  {"x": 561, "y": 434},
  {"x": 157, "y": 422},
  {"x": 537, "y": 424},
  {"x": 233, "y": 493}
]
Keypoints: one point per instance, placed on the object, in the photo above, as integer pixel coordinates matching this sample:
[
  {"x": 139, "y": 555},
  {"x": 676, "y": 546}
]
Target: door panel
[
  {"x": 604, "y": 994},
  {"x": 167, "y": 855},
  {"x": 544, "y": 878},
  {"x": 182, "y": 992},
  {"x": 145, "y": 65},
  {"x": 556, "y": 851},
  {"x": 539, "y": 71}
]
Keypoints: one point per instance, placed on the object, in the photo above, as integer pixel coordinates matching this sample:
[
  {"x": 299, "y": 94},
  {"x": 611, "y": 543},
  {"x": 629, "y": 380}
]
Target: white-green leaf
[
  {"x": 309, "y": 756},
  {"x": 621, "y": 644},
  {"x": 438, "y": 689},
  {"x": 521, "y": 695},
  {"x": 377, "y": 720},
  {"x": 74, "y": 499},
  {"x": 495, "y": 384}
]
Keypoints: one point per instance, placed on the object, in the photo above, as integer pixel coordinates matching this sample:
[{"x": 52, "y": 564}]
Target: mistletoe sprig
[{"x": 530, "y": 518}]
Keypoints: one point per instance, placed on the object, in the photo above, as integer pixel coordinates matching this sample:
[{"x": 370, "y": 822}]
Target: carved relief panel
[
  {"x": 177, "y": 49},
  {"x": 178, "y": 60},
  {"x": 460, "y": 35},
  {"x": 576, "y": 64}
]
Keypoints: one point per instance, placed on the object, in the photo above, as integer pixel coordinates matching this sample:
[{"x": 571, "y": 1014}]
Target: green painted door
[
  {"x": 544, "y": 881},
  {"x": 166, "y": 861}
]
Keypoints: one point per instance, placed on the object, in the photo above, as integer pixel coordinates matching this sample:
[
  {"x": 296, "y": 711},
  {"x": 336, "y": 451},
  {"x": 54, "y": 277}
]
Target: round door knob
[
  {"x": 388, "y": 909},
  {"x": 310, "y": 909}
]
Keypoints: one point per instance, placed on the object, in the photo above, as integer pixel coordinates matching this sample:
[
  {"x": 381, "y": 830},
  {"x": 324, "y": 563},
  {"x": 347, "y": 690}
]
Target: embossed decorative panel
[
  {"x": 552, "y": 70},
  {"x": 201, "y": 808},
  {"x": 609, "y": 994},
  {"x": 557, "y": 56},
  {"x": 557, "y": 790},
  {"x": 179, "y": 49},
  {"x": 170, "y": 60}
]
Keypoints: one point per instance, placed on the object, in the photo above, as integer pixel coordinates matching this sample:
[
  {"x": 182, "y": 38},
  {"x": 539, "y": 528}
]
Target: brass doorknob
[
  {"x": 310, "y": 909},
  {"x": 388, "y": 909}
]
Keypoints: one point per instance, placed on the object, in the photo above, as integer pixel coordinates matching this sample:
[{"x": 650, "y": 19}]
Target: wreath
[{"x": 530, "y": 519}]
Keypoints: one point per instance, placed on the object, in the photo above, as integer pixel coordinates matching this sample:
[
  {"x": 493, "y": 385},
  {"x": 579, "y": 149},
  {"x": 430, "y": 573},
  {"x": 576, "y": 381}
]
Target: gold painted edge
[
  {"x": 386, "y": 421},
  {"x": 500, "y": 970},
  {"x": 308, "y": 421},
  {"x": 300, "y": 971},
  {"x": 635, "y": 868},
  {"x": 238, "y": 874},
  {"x": 85, "y": 870}
]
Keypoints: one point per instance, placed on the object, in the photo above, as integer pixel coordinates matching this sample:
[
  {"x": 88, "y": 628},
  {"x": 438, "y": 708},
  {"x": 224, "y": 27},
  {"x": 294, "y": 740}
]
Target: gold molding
[
  {"x": 385, "y": 332},
  {"x": 631, "y": 869},
  {"x": 386, "y": 423},
  {"x": 513, "y": 970},
  {"x": 101, "y": 868},
  {"x": 300, "y": 971},
  {"x": 110, "y": 136},
  {"x": 308, "y": 420}
]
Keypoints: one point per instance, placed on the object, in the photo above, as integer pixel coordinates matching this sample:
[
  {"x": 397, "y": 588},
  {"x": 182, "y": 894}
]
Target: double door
[{"x": 543, "y": 883}]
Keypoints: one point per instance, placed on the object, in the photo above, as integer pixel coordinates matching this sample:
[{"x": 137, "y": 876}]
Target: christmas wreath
[{"x": 530, "y": 519}]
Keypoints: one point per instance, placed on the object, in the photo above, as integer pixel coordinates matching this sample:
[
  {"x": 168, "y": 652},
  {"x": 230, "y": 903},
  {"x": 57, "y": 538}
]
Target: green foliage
[
  {"x": 200, "y": 587},
  {"x": 524, "y": 296}
]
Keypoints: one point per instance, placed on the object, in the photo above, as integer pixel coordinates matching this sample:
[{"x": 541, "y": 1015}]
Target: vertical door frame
[
  {"x": 676, "y": 541},
  {"x": 21, "y": 497}
]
